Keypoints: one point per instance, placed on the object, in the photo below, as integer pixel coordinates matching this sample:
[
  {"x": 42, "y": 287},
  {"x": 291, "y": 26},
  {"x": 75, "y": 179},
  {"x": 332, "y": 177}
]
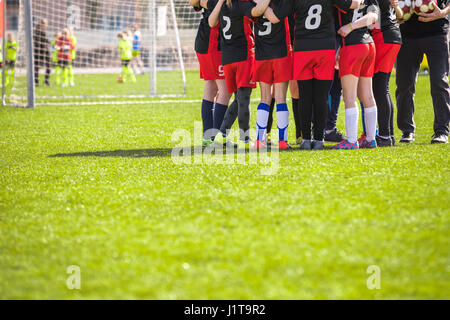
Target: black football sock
[
  {"x": 305, "y": 89},
  {"x": 229, "y": 117},
  {"x": 270, "y": 120},
  {"x": 243, "y": 97},
  {"x": 321, "y": 88},
  {"x": 295, "y": 112},
  {"x": 218, "y": 115},
  {"x": 334, "y": 102},
  {"x": 381, "y": 92},
  {"x": 207, "y": 118}
]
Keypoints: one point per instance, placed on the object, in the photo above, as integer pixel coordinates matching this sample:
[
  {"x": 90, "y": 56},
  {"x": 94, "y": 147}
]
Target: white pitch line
[{"x": 90, "y": 103}]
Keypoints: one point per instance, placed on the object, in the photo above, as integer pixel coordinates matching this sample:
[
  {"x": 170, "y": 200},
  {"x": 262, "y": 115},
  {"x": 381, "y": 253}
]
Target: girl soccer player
[
  {"x": 314, "y": 60},
  {"x": 65, "y": 46},
  {"x": 387, "y": 38},
  {"x": 238, "y": 54},
  {"x": 125, "y": 52},
  {"x": 55, "y": 61},
  {"x": 356, "y": 67},
  {"x": 273, "y": 67},
  {"x": 216, "y": 96},
  {"x": 10, "y": 61}
]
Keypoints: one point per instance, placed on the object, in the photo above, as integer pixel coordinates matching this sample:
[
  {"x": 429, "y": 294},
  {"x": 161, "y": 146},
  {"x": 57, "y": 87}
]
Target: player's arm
[
  {"x": 194, "y": 3},
  {"x": 278, "y": 13},
  {"x": 345, "y": 5},
  {"x": 260, "y": 8},
  {"x": 436, "y": 14},
  {"x": 214, "y": 16},
  {"x": 370, "y": 18},
  {"x": 398, "y": 11}
]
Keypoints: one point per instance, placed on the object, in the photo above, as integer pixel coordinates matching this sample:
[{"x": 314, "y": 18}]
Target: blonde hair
[{"x": 229, "y": 3}]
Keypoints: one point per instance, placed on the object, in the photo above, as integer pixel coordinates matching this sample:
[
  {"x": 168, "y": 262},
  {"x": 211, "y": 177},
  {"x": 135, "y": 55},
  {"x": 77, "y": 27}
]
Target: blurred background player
[
  {"x": 125, "y": 53},
  {"x": 10, "y": 61},
  {"x": 216, "y": 96},
  {"x": 73, "y": 53},
  {"x": 55, "y": 63},
  {"x": 273, "y": 71},
  {"x": 65, "y": 46},
  {"x": 238, "y": 56},
  {"x": 136, "y": 60},
  {"x": 41, "y": 51},
  {"x": 356, "y": 68}
]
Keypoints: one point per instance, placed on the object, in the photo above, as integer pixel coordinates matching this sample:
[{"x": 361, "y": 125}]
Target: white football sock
[
  {"x": 262, "y": 116},
  {"x": 351, "y": 124},
  {"x": 370, "y": 120},
  {"x": 282, "y": 121}
]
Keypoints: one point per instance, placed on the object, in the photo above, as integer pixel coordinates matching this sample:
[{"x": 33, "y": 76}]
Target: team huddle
[{"x": 309, "y": 47}]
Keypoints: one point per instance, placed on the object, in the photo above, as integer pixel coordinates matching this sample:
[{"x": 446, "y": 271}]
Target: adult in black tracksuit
[
  {"x": 41, "y": 51},
  {"x": 427, "y": 34}
]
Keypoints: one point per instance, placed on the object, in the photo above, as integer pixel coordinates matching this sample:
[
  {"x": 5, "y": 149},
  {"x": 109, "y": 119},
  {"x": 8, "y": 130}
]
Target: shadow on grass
[{"x": 159, "y": 152}]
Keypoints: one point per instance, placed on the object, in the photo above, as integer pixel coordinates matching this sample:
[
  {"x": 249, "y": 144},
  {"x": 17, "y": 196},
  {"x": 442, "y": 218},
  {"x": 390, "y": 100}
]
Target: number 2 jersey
[
  {"x": 272, "y": 41},
  {"x": 236, "y": 35},
  {"x": 314, "y": 22},
  {"x": 206, "y": 37},
  {"x": 347, "y": 16}
]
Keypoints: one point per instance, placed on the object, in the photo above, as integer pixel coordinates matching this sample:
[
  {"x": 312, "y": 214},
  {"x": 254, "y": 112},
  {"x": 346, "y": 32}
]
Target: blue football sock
[
  {"x": 282, "y": 121},
  {"x": 262, "y": 116}
]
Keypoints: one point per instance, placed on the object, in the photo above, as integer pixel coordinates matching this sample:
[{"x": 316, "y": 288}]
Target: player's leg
[
  {"x": 305, "y": 103},
  {"x": 262, "y": 114},
  {"x": 210, "y": 92},
  {"x": 221, "y": 105},
  {"x": 65, "y": 75},
  {"x": 243, "y": 99},
  {"x": 349, "y": 94},
  {"x": 385, "y": 108},
  {"x": 48, "y": 71},
  {"x": 365, "y": 95},
  {"x": 57, "y": 74},
  {"x": 270, "y": 120},
  {"x": 293, "y": 88},
  {"x": 280, "y": 91},
  {"x": 71, "y": 74},
  {"x": 334, "y": 100},
  {"x": 321, "y": 88}
]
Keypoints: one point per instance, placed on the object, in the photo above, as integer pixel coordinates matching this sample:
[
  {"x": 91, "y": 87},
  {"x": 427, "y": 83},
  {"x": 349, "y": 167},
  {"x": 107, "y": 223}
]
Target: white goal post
[{"x": 160, "y": 33}]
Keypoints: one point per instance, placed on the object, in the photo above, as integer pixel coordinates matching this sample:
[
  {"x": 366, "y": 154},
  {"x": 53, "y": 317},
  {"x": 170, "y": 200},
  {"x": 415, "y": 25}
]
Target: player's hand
[
  {"x": 344, "y": 31},
  {"x": 435, "y": 15}
]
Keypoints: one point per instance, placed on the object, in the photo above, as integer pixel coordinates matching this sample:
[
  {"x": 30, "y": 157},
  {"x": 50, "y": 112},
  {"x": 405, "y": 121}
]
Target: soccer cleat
[
  {"x": 283, "y": 145},
  {"x": 317, "y": 145},
  {"x": 383, "y": 142},
  {"x": 439, "y": 138},
  {"x": 362, "y": 138},
  {"x": 245, "y": 145},
  {"x": 63, "y": 85},
  {"x": 72, "y": 84},
  {"x": 206, "y": 142},
  {"x": 306, "y": 145},
  {"x": 259, "y": 145},
  {"x": 268, "y": 141},
  {"x": 346, "y": 145},
  {"x": 368, "y": 144},
  {"x": 407, "y": 137},
  {"x": 299, "y": 140},
  {"x": 334, "y": 136}
]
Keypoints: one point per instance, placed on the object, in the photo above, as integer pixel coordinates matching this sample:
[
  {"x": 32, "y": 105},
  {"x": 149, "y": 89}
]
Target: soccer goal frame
[{"x": 32, "y": 98}]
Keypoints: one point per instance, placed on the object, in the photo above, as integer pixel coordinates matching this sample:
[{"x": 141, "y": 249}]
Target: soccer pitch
[{"x": 96, "y": 187}]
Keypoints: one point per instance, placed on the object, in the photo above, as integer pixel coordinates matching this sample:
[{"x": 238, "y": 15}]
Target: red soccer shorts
[
  {"x": 211, "y": 65},
  {"x": 240, "y": 74},
  {"x": 318, "y": 64},
  {"x": 358, "y": 60},
  {"x": 274, "y": 70},
  {"x": 386, "y": 53}
]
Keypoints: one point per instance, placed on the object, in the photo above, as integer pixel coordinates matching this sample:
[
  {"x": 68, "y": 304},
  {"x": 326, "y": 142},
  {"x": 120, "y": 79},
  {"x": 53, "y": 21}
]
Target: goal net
[{"x": 133, "y": 50}]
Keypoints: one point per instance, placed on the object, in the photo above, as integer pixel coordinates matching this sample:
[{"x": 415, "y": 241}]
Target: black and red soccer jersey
[
  {"x": 361, "y": 35},
  {"x": 205, "y": 34},
  {"x": 236, "y": 35},
  {"x": 388, "y": 23},
  {"x": 314, "y": 23},
  {"x": 272, "y": 41}
]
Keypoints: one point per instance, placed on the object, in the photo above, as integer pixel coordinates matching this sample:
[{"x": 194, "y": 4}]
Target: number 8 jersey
[{"x": 314, "y": 23}]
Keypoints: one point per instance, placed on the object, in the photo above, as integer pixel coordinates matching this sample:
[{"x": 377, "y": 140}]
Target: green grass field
[{"x": 96, "y": 187}]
